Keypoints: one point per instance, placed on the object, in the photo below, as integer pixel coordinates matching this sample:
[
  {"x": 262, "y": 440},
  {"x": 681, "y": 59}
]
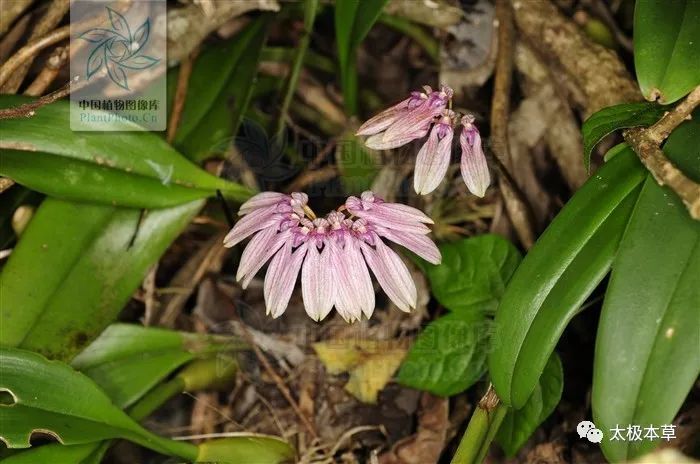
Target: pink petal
[
  {"x": 281, "y": 277},
  {"x": 384, "y": 119},
  {"x": 317, "y": 283},
  {"x": 250, "y": 224},
  {"x": 259, "y": 250},
  {"x": 379, "y": 142},
  {"x": 261, "y": 200},
  {"x": 420, "y": 244},
  {"x": 392, "y": 275},
  {"x": 352, "y": 281},
  {"x": 418, "y": 117},
  {"x": 475, "y": 170},
  {"x": 432, "y": 162}
]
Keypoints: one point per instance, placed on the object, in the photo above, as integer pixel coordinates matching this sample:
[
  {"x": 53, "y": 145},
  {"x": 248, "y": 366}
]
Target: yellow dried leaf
[{"x": 370, "y": 363}]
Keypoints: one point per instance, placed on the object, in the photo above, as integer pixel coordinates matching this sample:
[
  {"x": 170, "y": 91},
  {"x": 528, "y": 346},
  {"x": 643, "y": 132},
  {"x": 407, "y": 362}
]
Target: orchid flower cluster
[
  {"x": 334, "y": 254},
  {"x": 430, "y": 112}
]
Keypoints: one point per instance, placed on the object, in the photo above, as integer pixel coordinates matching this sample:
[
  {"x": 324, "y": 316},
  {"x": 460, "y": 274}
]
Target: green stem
[
  {"x": 155, "y": 398},
  {"x": 310, "y": 7},
  {"x": 414, "y": 31},
  {"x": 287, "y": 54},
  {"x": 481, "y": 430}
]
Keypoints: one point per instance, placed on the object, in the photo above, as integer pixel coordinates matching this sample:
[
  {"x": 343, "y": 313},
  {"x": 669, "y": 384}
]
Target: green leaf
[
  {"x": 648, "y": 344},
  {"x": 612, "y": 118},
  {"x": 137, "y": 169},
  {"x": 127, "y": 360},
  {"x": 352, "y": 24},
  {"x": 73, "y": 271},
  {"x": 449, "y": 355},
  {"x": 667, "y": 48},
  {"x": 45, "y": 393},
  {"x": 219, "y": 91},
  {"x": 357, "y": 165},
  {"x": 568, "y": 261},
  {"x": 520, "y": 424},
  {"x": 473, "y": 273},
  {"x": 249, "y": 448}
]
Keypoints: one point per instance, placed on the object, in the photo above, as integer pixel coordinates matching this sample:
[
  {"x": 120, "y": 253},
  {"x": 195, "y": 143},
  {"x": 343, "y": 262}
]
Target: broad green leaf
[
  {"x": 667, "y": 48},
  {"x": 136, "y": 169},
  {"x": 612, "y": 118},
  {"x": 352, "y": 23},
  {"x": 127, "y": 360},
  {"x": 648, "y": 344},
  {"x": 73, "y": 271},
  {"x": 449, "y": 355},
  {"x": 566, "y": 264},
  {"x": 520, "y": 424},
  {"x": 357, "y": 165},
  {"x": 44, "y": 399},
  {"x": 247, "y": 448},
  {"x": 219, "y": 90},
  {"x": 473, "y": 273}
]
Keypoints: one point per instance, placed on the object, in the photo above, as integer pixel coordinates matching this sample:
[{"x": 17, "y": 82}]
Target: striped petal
[
  {"x": 420, "y": 244},
  {"x": 317, "y": 283},
  {"x": 248, "y": 225},
  {"x": 475, "y": 170},
  {"x": 392, "y": 274},
  {"x": 379, "y": 142},
  {"x": 258, "y": 252},
  {"x": 432, "y": 162},
  {"x": 261, "y": 200},
  {"x": 354, "y": 294},
  {"x": 421, "y": 116},
  {"x": 384, "y": 119},
  {"x": 280, "y": 278}
]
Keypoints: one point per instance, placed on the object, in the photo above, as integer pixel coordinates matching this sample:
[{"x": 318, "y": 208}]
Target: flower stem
[{"x": 481, "y": 430}]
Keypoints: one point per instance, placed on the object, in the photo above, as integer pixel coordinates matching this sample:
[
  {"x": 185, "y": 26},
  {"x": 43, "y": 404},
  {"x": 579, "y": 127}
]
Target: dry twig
[
  {"x": 646, "y": 143},
  {"x": 516, "y": 205},
  {"x": 183, "y": 79},
  {"x": 31, "y": 49},
  {"x": 55, "y": 12},
  {"x": 47, "y": 75},
  {"x": 28, "y": 109}
]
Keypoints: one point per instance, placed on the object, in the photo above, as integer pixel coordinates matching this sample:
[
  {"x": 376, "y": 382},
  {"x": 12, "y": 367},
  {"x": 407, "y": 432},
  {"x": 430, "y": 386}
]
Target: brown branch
[
  {"x": 47, "y": 75},
  {"x": 11, "y": 10},
  {"x": 54, "y": 14},
  {"x": 661, "y": 130},
  {"x": 647, "y": 144},
  {"x": 518, "y": 209},
  {"x": 5, "y": 183},
  {"x": 28, "y": 109},
  {"x": 29, "y": 50},
  {"x": 314, "y": 176},
  {"x": 183, "y": 79}
]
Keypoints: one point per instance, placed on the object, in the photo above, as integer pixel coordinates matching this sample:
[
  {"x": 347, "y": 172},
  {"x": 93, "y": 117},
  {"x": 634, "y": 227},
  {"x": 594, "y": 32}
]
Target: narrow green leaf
[
  {"x": 648, "y": 345},
  {"x": 352, "y": 24},
  {"x": 568, "y": 261},
  {"x": 449, "y": 355},
  {"x": 127, "y": 360},
  {"x": 86, "y": 273},
  {"x": 520, "y": 424},
  {"x": 219, "y": 92},
  {"x": 612, "y": 118},
  {"x": 473, "y": 273},
  {"x": 44, "y": 394},
  {"x": 667, "y": 48},
  {"x": 136, "y": 169},
  {"x": 248, "y": 448}
]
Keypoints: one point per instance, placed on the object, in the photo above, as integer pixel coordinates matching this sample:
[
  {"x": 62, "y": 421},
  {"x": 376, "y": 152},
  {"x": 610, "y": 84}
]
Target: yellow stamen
[{"x": 309, "y": 212}]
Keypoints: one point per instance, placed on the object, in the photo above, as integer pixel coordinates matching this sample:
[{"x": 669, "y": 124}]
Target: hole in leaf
[
  {"x": 43, "y": 437},
  {"x": 7, "y": 398}
]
